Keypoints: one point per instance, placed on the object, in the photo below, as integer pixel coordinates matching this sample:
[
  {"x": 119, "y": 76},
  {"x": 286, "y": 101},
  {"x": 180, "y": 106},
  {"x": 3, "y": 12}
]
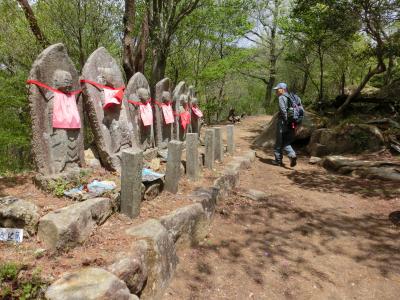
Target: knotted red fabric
[
  {"x": 65, "y": 110},
  {"x": 146, "y": 111},
  {"x": 112, "y": 96}
]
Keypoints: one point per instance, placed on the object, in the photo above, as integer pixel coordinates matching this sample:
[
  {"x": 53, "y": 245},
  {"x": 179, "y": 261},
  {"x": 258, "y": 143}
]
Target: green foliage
[
  {"x": 59, "y": 186},
  {"x": 17, "y": 283}
]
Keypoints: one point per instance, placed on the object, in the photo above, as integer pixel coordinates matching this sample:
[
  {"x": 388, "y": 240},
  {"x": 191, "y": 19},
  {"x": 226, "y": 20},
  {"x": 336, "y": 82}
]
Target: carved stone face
[
  {"x": 143, "y": 95},
  {"x": 166, "y": 97},
  {"x": 195, "y": 101},
  {"x": 184, "y": 99},
  {"x": 62, "y": 80},
  {"x": 108, "y": 76}
]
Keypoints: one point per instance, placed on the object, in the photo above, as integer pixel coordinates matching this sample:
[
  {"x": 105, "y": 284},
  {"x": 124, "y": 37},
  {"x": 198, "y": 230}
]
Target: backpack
[{"x": 295, "y": 110}]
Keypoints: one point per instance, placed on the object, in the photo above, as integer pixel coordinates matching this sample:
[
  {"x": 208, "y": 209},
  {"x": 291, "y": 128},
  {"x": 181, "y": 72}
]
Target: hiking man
[{"x": 291, "y": 113}]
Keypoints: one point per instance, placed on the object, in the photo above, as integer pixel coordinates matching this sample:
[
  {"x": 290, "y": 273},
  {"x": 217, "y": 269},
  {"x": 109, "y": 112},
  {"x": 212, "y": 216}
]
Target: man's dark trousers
[{"x": 284, "y": 137}]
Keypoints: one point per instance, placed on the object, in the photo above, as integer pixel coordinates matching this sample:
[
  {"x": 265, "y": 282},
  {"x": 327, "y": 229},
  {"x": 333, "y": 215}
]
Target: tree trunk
[
  {"x": 342, "y": 83},
  {"x": 140, "y": 53},
  {"x": 378, "y": 69},
  {"x": 389, "y": 71},
  {"x": 305, "y": 83},
  {"x": 30, "y": 16},
  {"x": 159, "y": 66},
  {"x": 272, "y": 55},
  {"x": 321, "y": 74},
  {"x": 127, "y": 42}
]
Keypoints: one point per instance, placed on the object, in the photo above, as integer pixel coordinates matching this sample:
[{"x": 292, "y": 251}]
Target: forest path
[{"x": 316, "y": 236}]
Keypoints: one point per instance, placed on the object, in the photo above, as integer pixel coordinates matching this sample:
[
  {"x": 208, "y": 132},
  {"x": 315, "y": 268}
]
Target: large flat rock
[
  {"x": 89, "y": 284},
  {"x": 130, "y": 266},
  {"x": 187, "y": 225},
  {"x": 71, "y": 225},
  {"x": 161, "y": 257},
  {"x": 17, "y": 213}
]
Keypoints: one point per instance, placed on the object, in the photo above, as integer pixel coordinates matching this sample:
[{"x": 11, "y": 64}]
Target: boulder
[
  {"x": 255, "y": 194},
  {"x": 17, "y": 213},
  {"x": 353, "y": 138},
  {"x": 161, "y": 257},
  {"x": 131, "y": 267},
  {"x": 207, "y": 197},
  {"x": 383, "y": 170},
  {"x": 267, "y": 138},
  {"x": 187, "y": 225},
  {"x": 71, "y": 225},
  {"x": 89, "y": 284}
]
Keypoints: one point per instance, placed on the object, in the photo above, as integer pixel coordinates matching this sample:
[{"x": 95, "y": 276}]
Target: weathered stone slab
[
  {"x": 17, "y": 213},
  {"x": 255, "y": 194},
  {"x": 131, "y": 182},
  {"x": 192, "y": 156},
  {"x": 209, "y": 149},
  {"x": 161, "y": 257},
  {"x": 230, "y": 139},
  {"x": 226, "y": 182},
  {"x": 112, "y": 128},
  {"x": 173, "y": 172},
  {"x": 71, "y": 225},
  {"x": 163, "y": 131},
  {"x": 207, "y": 197},
  {"x": 218, "y": 145},
  {"x": 55, "y": 150},
  {"x": 89, "y": 284},
  {"x": 131, "y": 266},
  {"x": 245, "y": 162},
  {"x": 179, "y": 91},
  {"x": 187, "y": 225},
  {"x": 138, "y": 91},
  {"x": 251, "y": 155}
]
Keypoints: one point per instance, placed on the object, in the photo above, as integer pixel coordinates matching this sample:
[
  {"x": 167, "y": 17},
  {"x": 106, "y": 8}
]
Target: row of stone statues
[{"x": 120, "y": 116}]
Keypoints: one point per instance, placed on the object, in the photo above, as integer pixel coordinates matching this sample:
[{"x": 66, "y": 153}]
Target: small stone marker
[
  {"x": 209, "y": 144},
  {"x": 131, "y": 182},
  {"x": 218, "y": 144},
  {"x": 192, "y": 156},
  {"x": 230, "y": 138},
  {"x": 173, "y": 172},
  {"x": 11, "y": 235}
]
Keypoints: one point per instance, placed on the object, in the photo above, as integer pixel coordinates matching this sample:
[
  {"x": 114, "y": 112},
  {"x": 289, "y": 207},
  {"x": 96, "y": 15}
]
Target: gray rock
[
  {"x": 112, "y": 128},
  {"x": 267, "y": 137},
  {"x": 17, "y": 213},
  {"x": 88, "y": 284},
  {"x": 383, "y": 170},
  {"x": 207, "y": 197},
  {"x": 255, "y": 194},
  {"x": 138, "y": 90},
  {"x": 251, "y": 155},
  {"x": 187, "y": 225},
  {"x": 348, "y": 139},
  {"x": 55, "y": 150},
  {"x": 161, "y": 257},
  {"x": 71, "y": 225},
  {"x": 226, "y": 182},
  {"x": 314, "y": 160},
  {"x": 131, "y": 267},
  {"x": 245, "y": 162}
]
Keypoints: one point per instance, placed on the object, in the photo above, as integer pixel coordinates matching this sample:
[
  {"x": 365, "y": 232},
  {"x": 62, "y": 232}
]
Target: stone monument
[
  {"x": 163, "y": 111},
  {"x": 184, "y": 117},
  {"x": 137, "y": 94},
  {"x": 179, "y": 91},
  {"x": 103, "y": 87},
  {"x": 56, "y": 111}
]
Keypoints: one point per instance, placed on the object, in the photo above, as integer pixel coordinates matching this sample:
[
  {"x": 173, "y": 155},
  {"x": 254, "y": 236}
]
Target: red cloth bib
[{"x": 196, "y": 110}]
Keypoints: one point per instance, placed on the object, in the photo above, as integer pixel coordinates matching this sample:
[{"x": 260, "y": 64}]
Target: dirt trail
[{"x": 316, "y": 236}]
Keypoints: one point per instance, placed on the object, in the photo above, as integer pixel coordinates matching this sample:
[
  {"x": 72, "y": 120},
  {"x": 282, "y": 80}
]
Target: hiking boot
[
  {"x": 277, "y": 163},
  {"x": 293, "y": 161}
]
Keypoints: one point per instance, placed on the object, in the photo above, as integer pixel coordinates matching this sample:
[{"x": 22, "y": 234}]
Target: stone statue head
[
  {"x": 62, "y": 80},
  {"x": 165, "y": 96},
  {"x": 184, "y": 99},
  {"x": 143, "y": 94},
  {"x": 107, "y": 76},
  {"x": 195, "y": 101}
]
